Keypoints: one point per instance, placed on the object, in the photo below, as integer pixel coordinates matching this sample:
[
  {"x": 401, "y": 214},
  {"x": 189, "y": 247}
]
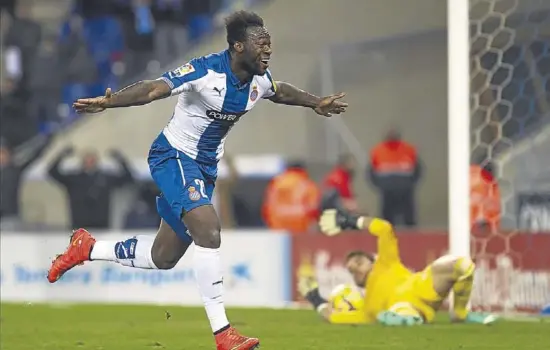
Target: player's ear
[{"x": 238, "y": 46}]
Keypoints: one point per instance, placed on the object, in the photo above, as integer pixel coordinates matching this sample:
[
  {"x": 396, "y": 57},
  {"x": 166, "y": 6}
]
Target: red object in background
[
  {"x": 513, "y": 269},
  {"x": 340, "y": 179}
]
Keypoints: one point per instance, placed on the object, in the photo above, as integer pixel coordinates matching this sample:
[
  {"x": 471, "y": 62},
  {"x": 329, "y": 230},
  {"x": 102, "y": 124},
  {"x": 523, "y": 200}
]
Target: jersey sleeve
[
  {"x": 185, "y": 78},
  {"x": 388, "y": 248},
  {"x": 272, "y": 89}
]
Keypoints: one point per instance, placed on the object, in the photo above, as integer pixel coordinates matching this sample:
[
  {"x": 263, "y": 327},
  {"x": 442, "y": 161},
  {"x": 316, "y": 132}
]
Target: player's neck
[{"x": 239, "y": 71}]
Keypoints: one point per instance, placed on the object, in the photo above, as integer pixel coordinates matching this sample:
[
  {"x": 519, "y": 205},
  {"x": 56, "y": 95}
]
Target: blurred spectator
[
  {"x": 223, "y": 196},
  {"x": 485, "y": 207},
  {"x": 171, "y": 34},
  {"x": 45, "y": 81},
  {"x": 292, "y": 201},
  {"x": 201, "y": 17},
  {"x": 90, "y": 188},
  {"x": 140, "y": 216},
  {"x": 395, "y": 170},
  {"x": 143, "y": 213},
  {"x": 8, "y": 6},
  {"x": 15, "y": 128},
  {"x": 138, "y": 27},
  {"x": 80, "y": 68},
  {"x": 338, "y": 185},
  {"x": 20, "y": 43},
  {"x": 20, "y": 38},
  {"x": 92, "y": 9},
  {"x": 12, "y": 167}
]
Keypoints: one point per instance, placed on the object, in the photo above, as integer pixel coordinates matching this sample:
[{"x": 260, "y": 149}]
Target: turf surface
[{"x": 100, "y": 327}]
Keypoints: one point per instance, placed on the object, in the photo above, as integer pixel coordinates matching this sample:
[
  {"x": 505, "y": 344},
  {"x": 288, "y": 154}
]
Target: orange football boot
[
  {"x": 77, "y": 253},
  {"x": 230, "y": 339}
]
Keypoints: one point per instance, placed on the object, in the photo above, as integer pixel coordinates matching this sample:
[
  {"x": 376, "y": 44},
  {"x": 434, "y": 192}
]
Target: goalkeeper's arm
[
  {"x": 333, "y": 221},
  {"x": 308, "y": 287}
]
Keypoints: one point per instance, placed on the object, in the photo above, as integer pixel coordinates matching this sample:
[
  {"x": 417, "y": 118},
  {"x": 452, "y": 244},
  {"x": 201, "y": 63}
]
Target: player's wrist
[
  {"x": 315, "y": 299},
  {"x": 352, "y": 221}
]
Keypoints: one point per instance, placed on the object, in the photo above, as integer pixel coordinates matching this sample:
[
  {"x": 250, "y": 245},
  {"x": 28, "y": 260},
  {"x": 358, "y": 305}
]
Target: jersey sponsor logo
[
  {"x": 224, "y": 117},
  {"x": 181, "y": 71},
  {"x": 254, "y": 93}
]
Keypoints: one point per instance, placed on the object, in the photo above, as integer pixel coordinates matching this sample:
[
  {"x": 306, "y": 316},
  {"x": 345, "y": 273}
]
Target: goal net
[{"x": 510, "y": 138}]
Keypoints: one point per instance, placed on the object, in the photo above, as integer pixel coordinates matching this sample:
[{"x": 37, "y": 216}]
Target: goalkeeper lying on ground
[{"x": 392, "y": 294}]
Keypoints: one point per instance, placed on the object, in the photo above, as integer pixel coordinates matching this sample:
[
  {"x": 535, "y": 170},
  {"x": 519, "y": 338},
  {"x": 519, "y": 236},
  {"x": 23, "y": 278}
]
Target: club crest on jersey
[
  {"x": 254, "y": 93},
  {"x": 194, "y": 195},
  {"x": 181, "y": 71}
]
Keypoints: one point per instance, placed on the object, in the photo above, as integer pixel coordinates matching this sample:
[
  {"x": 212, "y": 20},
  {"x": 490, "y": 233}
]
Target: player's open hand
[
  {"x": 331, "y": 105},
  {"x": 94, "y": 104},
  {"x": 306, "y": 284},
  {"x": 329, "y": 223}
]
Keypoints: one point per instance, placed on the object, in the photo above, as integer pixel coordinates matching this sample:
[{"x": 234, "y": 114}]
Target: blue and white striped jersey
[{"x": 211, "y": 100}]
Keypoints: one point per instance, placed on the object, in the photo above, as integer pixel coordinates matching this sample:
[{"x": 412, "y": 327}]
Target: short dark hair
[
  {"x": 238, "y": 22},
  {"x": 296, "y": 164},
  {"x": 358, "y": 253}
]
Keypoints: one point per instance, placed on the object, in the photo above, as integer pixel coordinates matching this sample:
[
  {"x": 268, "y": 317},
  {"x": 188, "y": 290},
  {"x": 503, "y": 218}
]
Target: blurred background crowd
[{"x": 55, "y": 51}]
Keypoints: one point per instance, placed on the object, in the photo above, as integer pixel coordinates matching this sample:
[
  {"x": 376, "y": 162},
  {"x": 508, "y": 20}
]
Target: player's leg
[
  {"x": 162, "y": 251},
  {"x": 456, "y": 274},
  {"x": 187, "y": 196},
  {"x": 204, "y": 226}
]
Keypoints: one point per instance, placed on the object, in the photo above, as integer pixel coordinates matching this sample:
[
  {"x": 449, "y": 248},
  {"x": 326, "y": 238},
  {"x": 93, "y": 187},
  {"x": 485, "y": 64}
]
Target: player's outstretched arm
[
  {"x": 288, "y": 94},
  {"x": 137, "y": 94},
  {"x": 333, "y": 221}
]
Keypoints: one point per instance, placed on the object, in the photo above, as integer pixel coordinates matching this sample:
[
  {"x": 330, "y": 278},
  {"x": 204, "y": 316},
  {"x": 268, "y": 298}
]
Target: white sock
[
  {"x": 133, "y": 252},
  {"x": 208, "y": 272}
]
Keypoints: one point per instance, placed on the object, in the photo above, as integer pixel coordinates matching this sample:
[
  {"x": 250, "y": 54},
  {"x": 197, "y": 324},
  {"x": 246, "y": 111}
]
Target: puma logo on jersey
[{"x": 219, "y": 91}]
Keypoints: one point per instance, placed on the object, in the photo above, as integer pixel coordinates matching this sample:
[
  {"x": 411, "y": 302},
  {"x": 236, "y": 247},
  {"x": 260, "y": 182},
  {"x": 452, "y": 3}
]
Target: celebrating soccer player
[
  {"x": 214, "y": 91},
  {"x": 392, "y": 294}
]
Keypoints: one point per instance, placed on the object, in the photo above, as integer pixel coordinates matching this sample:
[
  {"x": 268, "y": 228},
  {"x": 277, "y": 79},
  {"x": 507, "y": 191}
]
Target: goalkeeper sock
[
  {"x": 314, "y": 297},
  {"x": 133, "y": 252},
  {"x": 462, "y": 289}
]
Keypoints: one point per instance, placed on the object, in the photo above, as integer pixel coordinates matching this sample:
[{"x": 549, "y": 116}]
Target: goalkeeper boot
[
  {"x": 78, "y": 251},
  {"x": 392, "y": 318},
  {"x": 230, "y": 339},
  {"x": 480, "y": 318}
]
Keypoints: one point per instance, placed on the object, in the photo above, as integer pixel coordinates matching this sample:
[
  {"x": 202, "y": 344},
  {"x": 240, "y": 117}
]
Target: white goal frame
[{"x": 458, "y": 89}]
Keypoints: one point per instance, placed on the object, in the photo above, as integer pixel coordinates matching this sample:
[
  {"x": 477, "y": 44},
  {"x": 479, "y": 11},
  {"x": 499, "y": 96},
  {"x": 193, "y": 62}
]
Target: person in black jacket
[
  {"x": 12, "y": 167},
  {"x": 90, "y": 188}
]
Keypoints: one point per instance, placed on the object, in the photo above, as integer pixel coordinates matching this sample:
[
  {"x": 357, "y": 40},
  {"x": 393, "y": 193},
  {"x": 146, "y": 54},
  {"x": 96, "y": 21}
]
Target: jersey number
[{"x": 200, "y": 183}]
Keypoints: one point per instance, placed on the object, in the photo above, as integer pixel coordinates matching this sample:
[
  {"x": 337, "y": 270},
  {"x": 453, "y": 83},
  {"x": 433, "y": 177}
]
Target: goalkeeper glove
[{"x": 333, "y": 221}]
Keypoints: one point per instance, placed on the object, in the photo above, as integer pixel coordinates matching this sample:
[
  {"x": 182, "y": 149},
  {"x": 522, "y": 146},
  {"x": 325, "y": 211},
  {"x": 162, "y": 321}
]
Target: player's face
[
  {"x": 89, "y": 162},
  {"x": 5, "y": 156},
  {"x": 359, "y": 268},
  {"x": 257, "y": 50}
]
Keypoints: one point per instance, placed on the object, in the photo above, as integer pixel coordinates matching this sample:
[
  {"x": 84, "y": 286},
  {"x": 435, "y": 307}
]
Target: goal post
[
  {"x": 458, "y": 53},
  {"x": 499, "y": 119}
]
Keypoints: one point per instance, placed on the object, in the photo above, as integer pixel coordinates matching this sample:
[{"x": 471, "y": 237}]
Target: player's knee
[
  {"x": 208, "y": 237},
  {"x": 163, "y": 263},
  {"x": 457, "y": 266},
  {"x": 464, "y": 267},
  {"x": 163, "y": 258}
]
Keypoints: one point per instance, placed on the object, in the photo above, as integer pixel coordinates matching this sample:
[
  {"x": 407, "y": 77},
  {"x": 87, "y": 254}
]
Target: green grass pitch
[{"x": 101, "y": 327}]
